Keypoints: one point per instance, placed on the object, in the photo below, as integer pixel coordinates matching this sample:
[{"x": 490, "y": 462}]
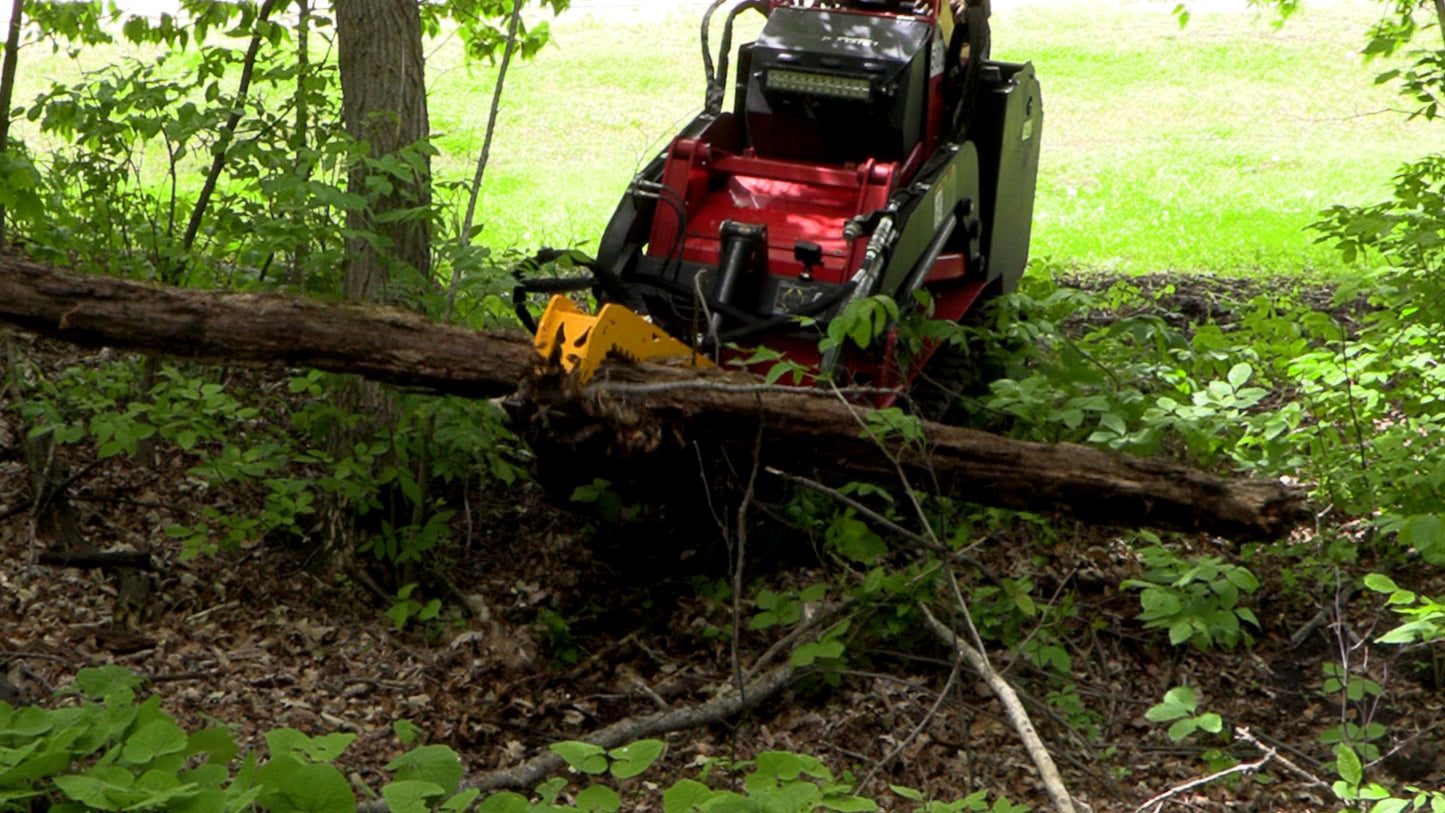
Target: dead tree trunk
[{"x": 658, "y": 412}]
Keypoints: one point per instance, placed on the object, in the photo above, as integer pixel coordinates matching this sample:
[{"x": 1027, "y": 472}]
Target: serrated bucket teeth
[{"x": 579, "y": 342}]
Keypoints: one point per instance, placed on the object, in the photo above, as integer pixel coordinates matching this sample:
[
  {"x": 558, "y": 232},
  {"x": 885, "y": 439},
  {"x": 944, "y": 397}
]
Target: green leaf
[
  {"x": 1426, "y": 534},
  {"x": 437, "y": 764},
  {"x": 849, "y": 804},
  {"x": 1348, "y": 764},
  {"x": 1210, "y": 722},
  {"x": 763, "y": 620},
  {"x": 406, "y": 731},
  {"x": 1239, "y": 374},
  {"x": 411, "y": 795},
  {"x": 874, "y": 580},
  {"x": 856, "y": 541},
  {"x": 100, "y": 682},
  {"x": 1180, "y": 631},
  {"x": 30, "y": 721},
  {"x": 94, "y": 793},
  {"x": 549, "y": 791},
  {"x": 216, "y": 742},
  {"x": 207, "y": 800},
  {"x": 317, "y": 788},
  {"x": 598, "y": 799},
  {"x": 286, "y": 741},
  {"x": 685, "y": 796},
  {"x": 154, "y": 739},
  {"x": 207, "y": 776},
  {"x": 1114, "y": 422},
  {"x": 1182, "y": 729},
  {"x": 581, "y": 756},
  {"x": 329, "y": 747},
  {"x": 1164, "y": 712},
  {"x": 505, "y": 802},
  {"x": 631, "y": 760},
  {"x": 460, "y": 802},
  {"x": 813, "y": 592},
  {"x": 1409, "y": 633},
  {"x": 908, "y": 793},
  {"x": 807, "y": 654},
  {"x": 779, "y": 765}
]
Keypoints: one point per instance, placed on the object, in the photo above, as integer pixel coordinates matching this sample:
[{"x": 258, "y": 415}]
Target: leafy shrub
[
  {"x": 1179, "y": 707},
  {"x": 1197, "y": 602},
  {"x": 113, "y": 751}
]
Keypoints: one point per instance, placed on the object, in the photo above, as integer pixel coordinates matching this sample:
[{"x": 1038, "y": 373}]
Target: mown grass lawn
[{"x": 1206, "y": 148}]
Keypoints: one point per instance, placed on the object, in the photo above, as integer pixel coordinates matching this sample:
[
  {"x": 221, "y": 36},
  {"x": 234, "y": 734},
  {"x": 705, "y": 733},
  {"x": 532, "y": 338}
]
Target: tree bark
[
  {"x": 644, "y": 418},
  {"x": 383, "y": 103},
  {"x": 7, "y": 85},
  {"x": 382, "y": 344}
]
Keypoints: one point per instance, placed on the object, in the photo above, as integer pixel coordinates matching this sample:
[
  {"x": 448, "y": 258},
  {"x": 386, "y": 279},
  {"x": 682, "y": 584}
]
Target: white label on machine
[
  {"x": 943, "y": 193},
  {"x": 939, "y": 56}
]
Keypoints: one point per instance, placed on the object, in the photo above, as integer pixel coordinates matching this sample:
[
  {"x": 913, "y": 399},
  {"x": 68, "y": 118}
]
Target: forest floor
[{"x": 575, "y": 623}]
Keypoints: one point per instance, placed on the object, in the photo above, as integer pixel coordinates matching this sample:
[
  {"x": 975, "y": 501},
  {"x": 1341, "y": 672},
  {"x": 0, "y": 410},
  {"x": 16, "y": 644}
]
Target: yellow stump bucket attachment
[{"x": 580, "y": 342}]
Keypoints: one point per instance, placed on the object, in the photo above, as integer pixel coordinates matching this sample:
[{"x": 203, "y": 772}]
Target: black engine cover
[{"x": 890, "y": 55}]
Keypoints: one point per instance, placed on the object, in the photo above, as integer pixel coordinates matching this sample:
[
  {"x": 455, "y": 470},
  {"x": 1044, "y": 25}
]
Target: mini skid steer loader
[{"x": 872, "y": 148}]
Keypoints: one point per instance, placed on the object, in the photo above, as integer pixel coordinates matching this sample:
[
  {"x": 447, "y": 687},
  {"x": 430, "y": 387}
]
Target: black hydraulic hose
[
  {"x": 717, "y": 80},
  {"x": 683, "y": 292},
  {"x": 543, "y": 286},
  {"x": 726, "y": 49},
  {"x": 920, "y": 269},
  {"x": 976, "y": 26},
  {"x": 787, "y": 320},
  {"x": 679, "y": 207},
  {"x": 715, "y": 90}
]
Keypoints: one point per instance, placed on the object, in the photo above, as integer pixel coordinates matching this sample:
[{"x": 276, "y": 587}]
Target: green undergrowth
[
  {"x": 108, "y": 746},
  {"x": 266, "y": 464},
  {"x": 1335, "y": 387}
]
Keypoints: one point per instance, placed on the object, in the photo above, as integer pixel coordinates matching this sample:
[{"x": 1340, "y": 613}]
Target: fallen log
[
  {"x": 383, "y": 344},
  {"x": 649, "y": 414}
]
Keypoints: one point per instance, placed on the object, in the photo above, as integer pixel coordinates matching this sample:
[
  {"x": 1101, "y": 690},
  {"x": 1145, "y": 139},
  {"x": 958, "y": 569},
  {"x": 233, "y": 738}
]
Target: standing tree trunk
[
  {"x": 7, "y": 86},
  {"x": 383, "y": 102}
]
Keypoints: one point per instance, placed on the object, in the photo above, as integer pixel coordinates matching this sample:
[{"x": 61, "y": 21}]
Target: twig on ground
[
  {"x": 1248, "y": 736},
  {"x": 787, "y": 642},
  {"x": 917, "y": 729},
  {"x": 1157, "y": 803},
  {"x": 740, "y": 561},
  {"x": 886, "y": 523},
  {"x": 1342, "y": 597},
  {"x": 649, "y": 691},
  {"x": 7, "y": 654},
  {"x": 370, "y": 584},
  {"x": 208, "y": 674},
  {"x": 1048, "y": 772},
  {"x": 532, "y": 771},
  {"x": 474, "y": 604}
]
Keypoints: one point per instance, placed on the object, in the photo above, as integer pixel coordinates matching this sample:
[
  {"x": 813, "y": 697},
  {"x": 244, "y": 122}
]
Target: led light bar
[{"x": 820, "y": 84}]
